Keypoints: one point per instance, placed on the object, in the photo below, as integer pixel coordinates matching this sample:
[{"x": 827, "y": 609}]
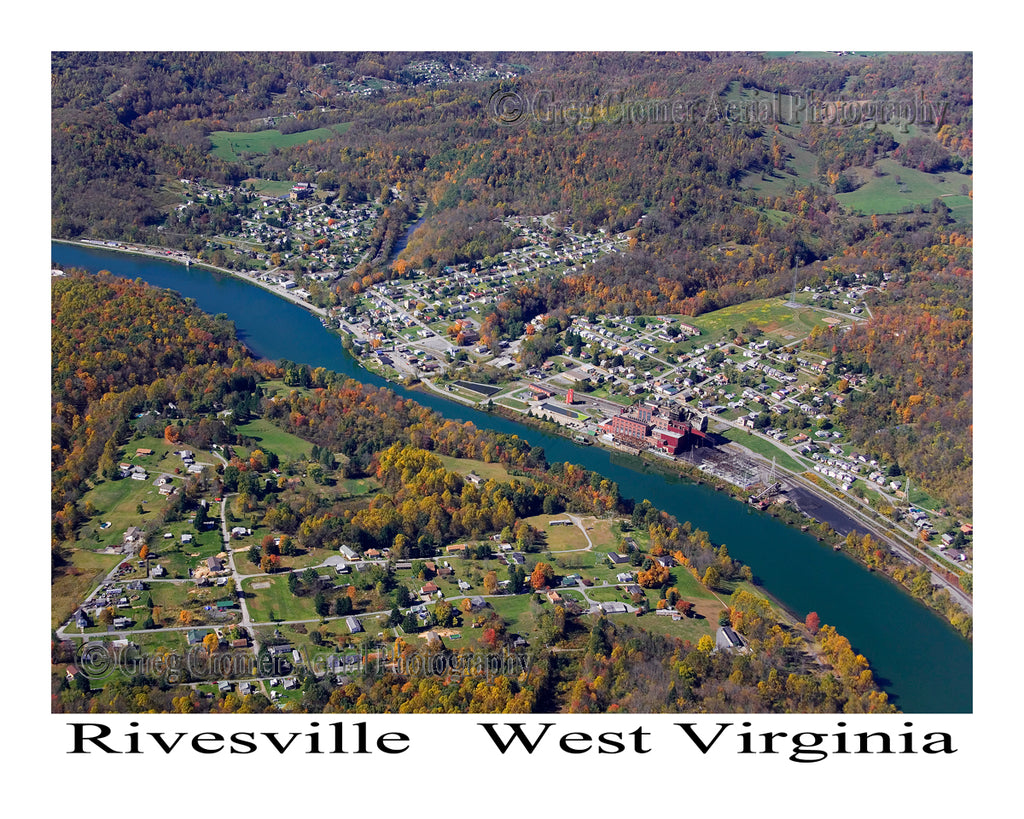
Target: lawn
[
  {"x": 286, "y": 446},
  {"x": 117, "y": 502},
  {"x": 276, "y": 602},
  {"x": 276, "y": 386},
  {"x": 518, "y": 611},
  {"x": 688, "y": 628},
  {"x": 230, "y": 145},
  {"x": 602, "y": 532},
  {"x": 558, "y": 538},
  {"x": 485, "y": 470}
]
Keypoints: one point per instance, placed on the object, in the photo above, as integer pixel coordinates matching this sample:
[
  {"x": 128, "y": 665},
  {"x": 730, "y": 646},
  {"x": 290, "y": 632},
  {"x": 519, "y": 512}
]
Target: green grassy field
[
  {"x": 771, "y": 316},
  {"x": 269, "y": 187},
  {"x": 558, "y": 538},
  {"x": 276, "y": 386},
  {"x": 883, "y": 195},
  {"x": 518, "y": 611},
  {"x": 688, "y": 628},
  {"x": 286, "y": 446},
  {"x": 485, "y": 470},
  {"x": 230, "y": 145},
  {"x": 276, "y": 602}
]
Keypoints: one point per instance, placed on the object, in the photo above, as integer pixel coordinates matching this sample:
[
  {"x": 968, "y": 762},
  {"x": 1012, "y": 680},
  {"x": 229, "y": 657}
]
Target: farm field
[{"x": 232, "y": 145}]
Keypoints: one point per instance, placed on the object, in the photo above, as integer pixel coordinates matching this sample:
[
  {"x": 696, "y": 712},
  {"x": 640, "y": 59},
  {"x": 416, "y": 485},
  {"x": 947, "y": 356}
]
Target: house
[
  {"x": 224, "y": 687},
  {"x": 728, "y": 640},
  {"x": 158, "y": 571},
  {"x": 214, "y": 564},
  {"x": 348, "y": 552},
  {"x": 428, "y": 588},
  {"x": 617, "y": 559},
  {"x": 132, "y": 536},
  {"x": 354, "y": 626},
  {"x": 476, "y": 603},
  {"x": 456, "y": 548},
  {"x": 614, "y": 608},
  {"x": 554, "y": 597}
]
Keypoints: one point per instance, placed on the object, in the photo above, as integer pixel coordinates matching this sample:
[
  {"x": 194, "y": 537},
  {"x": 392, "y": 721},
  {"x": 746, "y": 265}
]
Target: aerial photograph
[{"x": 511, "y": 382}]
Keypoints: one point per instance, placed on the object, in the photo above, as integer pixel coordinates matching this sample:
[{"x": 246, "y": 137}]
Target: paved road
[{"x": 246, "y": 622}]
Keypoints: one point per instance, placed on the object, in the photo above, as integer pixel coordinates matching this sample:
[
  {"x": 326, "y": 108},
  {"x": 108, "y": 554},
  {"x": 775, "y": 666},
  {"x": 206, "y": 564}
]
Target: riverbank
[{"x": 149, "y": 251}]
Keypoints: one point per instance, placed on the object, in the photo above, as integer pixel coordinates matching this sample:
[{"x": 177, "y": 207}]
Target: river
[{"x": 919, "y": 659}]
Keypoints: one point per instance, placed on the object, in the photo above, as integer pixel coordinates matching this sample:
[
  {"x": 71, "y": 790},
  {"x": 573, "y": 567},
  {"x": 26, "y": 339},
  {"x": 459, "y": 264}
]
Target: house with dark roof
[{"x": 728, "y": 640}]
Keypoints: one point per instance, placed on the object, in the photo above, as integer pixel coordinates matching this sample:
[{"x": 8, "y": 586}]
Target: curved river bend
[{"x": 923, "y": 664}]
